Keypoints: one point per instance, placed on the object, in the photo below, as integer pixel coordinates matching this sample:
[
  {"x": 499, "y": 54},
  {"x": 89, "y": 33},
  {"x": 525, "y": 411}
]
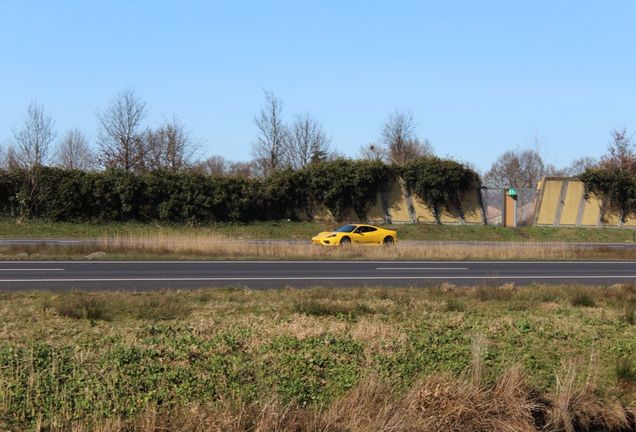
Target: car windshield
[{"x": 346, "y": 228}]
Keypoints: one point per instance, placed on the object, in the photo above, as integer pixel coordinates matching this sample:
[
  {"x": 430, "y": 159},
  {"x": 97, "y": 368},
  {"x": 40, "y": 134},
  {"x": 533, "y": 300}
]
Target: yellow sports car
[{"x": 356, "y": 233}]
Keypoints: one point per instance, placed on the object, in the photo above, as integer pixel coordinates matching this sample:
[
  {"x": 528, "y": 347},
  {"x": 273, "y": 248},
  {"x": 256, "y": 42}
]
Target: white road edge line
[
  {"x": 318, "y": 278},
  {"x": 30, "y": 269},
  {"x": 422, "y": 262},
  {"x": 421, "y": 268}
]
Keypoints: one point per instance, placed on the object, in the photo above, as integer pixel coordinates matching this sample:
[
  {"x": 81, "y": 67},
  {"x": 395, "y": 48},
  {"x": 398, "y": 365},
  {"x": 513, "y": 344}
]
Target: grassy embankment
[
  {"x": 442, "y": 359},
  {"x": 283, "y": 230},
  {"x": 147, "y": 241}
]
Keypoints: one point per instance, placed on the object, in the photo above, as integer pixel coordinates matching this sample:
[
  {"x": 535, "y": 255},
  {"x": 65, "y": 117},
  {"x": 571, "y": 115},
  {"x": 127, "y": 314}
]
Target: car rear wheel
[
  {"x": 388, "y": 241},
  {"x": 345, "y": 241}
]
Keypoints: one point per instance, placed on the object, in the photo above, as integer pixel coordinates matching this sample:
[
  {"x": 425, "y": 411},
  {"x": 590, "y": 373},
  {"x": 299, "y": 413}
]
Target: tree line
[
  {"x": 123, "y": 142},
  {"x": 342, "y": 186},
  {"x": 132, "y": 158}
]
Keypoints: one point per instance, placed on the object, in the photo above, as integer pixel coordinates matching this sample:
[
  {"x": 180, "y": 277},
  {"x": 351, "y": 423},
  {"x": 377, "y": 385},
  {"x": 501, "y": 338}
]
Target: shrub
[
  {"x": 628, "y": 314},
  {"x": 582, "y": 299},
  {"x": 441, "y": 184},
  {"x": 160, "y": 308},
  {"x": 454, "y": 305},
  {"x": 626, "y": 370},
  {"x": 83, "y": 306},
  {"x": 340, "y": 310},
  {"x": 495, "y": 293}
]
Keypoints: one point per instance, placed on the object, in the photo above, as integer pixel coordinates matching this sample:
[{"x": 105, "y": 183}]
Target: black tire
[
  {"x": 388, "y": 241},
  {"x": 345, "y": 241}
]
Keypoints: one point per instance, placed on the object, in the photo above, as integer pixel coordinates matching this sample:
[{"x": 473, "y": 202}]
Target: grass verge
[
  {"x": 284, "y": 230},
  {"x": 487, "y": 358},
  {"x": 200, "y": 247}
]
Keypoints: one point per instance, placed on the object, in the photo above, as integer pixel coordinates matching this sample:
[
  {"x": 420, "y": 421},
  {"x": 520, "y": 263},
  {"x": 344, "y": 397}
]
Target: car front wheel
[{"x": 345, "y": 241}]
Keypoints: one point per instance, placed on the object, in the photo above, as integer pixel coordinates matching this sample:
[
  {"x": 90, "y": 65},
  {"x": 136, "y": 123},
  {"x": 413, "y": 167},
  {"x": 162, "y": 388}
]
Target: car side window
[
  {"x": 371, "y": 229},
  {"x": 361, "y": 230}
]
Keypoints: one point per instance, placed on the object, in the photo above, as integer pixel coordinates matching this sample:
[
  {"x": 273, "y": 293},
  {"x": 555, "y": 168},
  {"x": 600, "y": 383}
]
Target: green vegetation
[
  {"x": 441, "y": 184},
  {"x": 342, "y": 186},
  {"x": 288, "y": 230},
  {"x": 123, "y": 361}
]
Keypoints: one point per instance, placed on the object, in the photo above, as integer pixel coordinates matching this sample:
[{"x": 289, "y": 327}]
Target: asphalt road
[{"x": 147, "y": 275}]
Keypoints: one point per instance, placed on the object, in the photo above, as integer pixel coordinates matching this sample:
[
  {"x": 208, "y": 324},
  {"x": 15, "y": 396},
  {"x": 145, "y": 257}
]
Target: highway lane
[{"x": 147, "y": 275}]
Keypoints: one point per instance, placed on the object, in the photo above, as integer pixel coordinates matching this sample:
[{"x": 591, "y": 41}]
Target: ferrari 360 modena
[{"x": 356, "y": 234}]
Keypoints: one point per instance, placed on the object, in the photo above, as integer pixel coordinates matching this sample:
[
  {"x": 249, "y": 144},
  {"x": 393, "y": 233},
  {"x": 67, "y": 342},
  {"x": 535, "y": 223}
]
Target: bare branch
[
  {"x": 219, "y": 166},
  {"x": 307, "y": 142},
  {"x": 73, "y": 151},
  {"x": 120, "y": 139},
  {"x": 269, "y": 149},
  {"x": 32, "y": 140},
  {"x": 400, "y": 140},
  {"x": 373, "y": 152},
  {"x": 169, "y": 147},
  {"x": 520, "y": 168},
  {"x": 620, "y": 152}
]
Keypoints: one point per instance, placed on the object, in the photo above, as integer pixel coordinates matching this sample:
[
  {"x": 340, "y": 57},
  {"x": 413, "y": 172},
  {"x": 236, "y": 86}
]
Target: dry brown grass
[
  {"x": 217, "y": 247},
  {"x": 577, "y": 406},
  {"x": 438, "y": 403},
  {"x": 198, "y": 245}
]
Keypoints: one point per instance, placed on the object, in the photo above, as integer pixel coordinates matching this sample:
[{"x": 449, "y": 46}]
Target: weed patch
[
  {"x": 495, "y": 293},
  {"x": 161, "y": 307},
  {"x": 628, "y": 314},
  {"x": 582, "y": 300},
  {"x": 335, "y": 309},
  {"x": 626, "y": 370},
  {"x": 83, "y": 306},
  {"x": 454, "y": 305}
]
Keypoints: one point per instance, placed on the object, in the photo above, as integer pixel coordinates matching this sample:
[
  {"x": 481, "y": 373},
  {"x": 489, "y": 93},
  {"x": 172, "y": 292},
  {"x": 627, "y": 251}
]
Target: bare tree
[
  {"x": 579, "y": 166},
  {"x": 169, "y": 147},
  {"x": 32, "y": 140},
  {"x": 307, "y": 142},
  {"x": 219, "y": 166},
  {"x": 519, "y": 168},
  {"x": 269, "y": 150},
  {"x": 241, "y": 169},
  {"x": 73, "y": 151},
  {"x": 400, "y": 140},
  {"x": 214, "y": 165},
  {"x": 373, "y": 152},
  {"x": 620, "y": 152},
  {"x": 11, "y": 159},
  {"x": 121, "y": 140}
]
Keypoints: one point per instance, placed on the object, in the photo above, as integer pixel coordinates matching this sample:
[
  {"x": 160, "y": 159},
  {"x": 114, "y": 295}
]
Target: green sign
[{"x": 512, "y": 192}]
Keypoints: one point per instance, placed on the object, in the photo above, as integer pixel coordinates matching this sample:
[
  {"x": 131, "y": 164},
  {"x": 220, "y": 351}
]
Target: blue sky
[{"x": 479, "y": 77}]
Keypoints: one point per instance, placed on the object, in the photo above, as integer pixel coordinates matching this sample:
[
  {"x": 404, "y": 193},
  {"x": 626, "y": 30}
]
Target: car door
[
  {"x": 372, "y": 235},
  {"x": 359, "y": 235}
]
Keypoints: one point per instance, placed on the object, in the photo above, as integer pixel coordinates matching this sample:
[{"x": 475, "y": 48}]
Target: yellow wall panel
[
  {"x": 424, "y": 214},
  {"x": 591, "y": 211},
  {"x": 398, "y": 208},
  {"x": 611, "y": 219},
  {"x": 550, "y": 202},
  {"x": 376, "y": 212},
  {"x": 572, "y": 203},
  {"x": 630, "y": 221},
  {"x": 472, "y": 210}
]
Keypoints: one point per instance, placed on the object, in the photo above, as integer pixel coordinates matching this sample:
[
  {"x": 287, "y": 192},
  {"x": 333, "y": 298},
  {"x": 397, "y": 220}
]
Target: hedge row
[
  {"x": 115, "y": 195},
  {"x": 617, "y": 187}
]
